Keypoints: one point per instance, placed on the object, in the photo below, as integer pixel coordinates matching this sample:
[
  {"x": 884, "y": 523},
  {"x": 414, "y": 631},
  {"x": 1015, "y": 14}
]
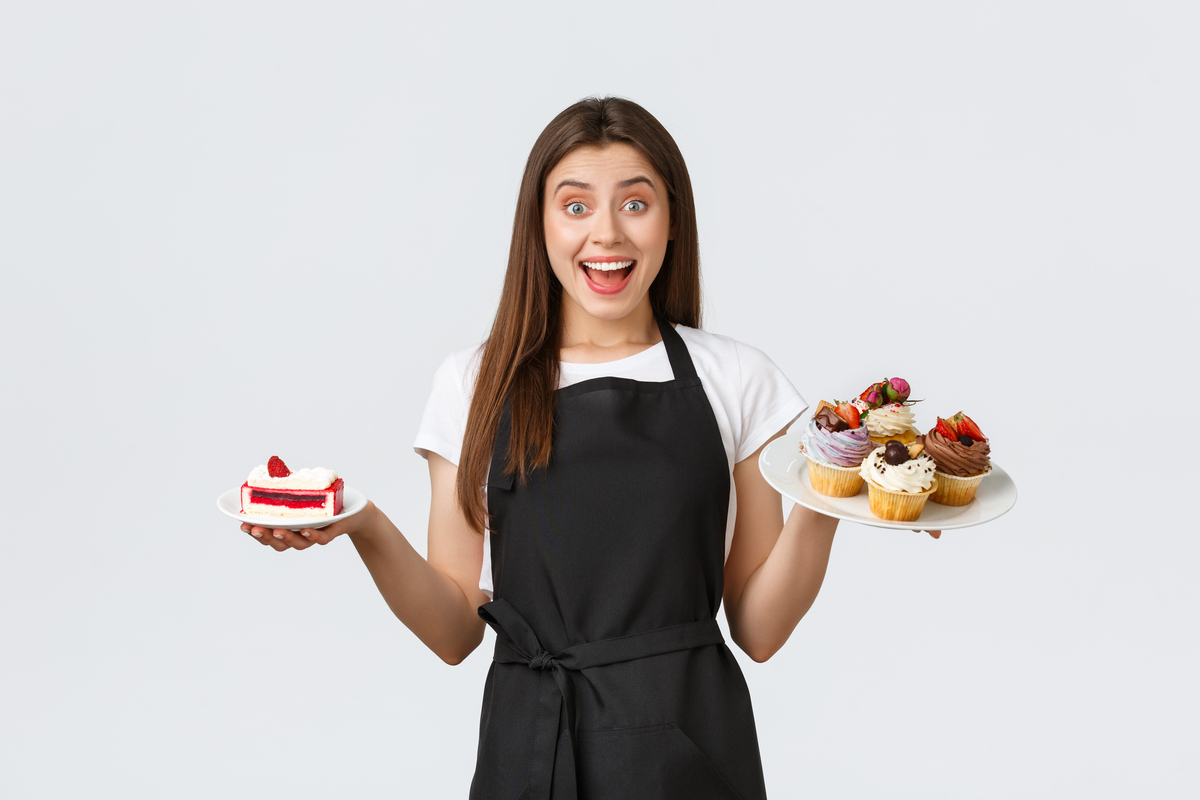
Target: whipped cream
[
  {"x": 894, "y": 418},
  {"x": 315, "y": 478},
  {"x": 913, "y": 476}
]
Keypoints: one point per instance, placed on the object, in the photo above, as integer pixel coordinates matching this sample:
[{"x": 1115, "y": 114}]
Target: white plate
[
  {"x": 786, "y": 468},
  {"x": 230, "y": 504}
]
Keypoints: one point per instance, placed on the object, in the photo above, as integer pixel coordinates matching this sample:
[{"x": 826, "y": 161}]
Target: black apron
[{"x": 610, "y": 677}]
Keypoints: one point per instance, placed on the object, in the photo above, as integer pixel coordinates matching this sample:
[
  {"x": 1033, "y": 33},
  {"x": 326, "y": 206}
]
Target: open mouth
[{"x": 608, "y": 276}]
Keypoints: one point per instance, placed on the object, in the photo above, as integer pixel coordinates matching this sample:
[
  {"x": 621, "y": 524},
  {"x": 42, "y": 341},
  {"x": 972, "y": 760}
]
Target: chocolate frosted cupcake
[
  {"x": 836, "y": 442},
  {"x": 963, "y": 458}
]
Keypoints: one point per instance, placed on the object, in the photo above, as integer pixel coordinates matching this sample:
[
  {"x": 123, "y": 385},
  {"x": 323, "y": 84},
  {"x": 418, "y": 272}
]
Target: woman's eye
[
  {"x": 575, "y": 209},
  {"x": 635, "y": 205}
]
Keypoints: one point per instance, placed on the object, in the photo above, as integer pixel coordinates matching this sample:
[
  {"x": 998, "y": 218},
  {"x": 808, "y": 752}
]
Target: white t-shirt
[{"x": 750, "y": 397}]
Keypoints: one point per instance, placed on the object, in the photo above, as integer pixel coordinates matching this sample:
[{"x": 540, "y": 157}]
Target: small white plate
[
  {"x": 230, "y": 504},
  {"x": 786, "y": 469}
]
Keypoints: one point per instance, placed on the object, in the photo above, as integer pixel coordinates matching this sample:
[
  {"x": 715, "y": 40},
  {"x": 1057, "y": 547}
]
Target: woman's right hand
[
  {"x": 283, "y": 539},
  {"x": 437, "y": 598}
]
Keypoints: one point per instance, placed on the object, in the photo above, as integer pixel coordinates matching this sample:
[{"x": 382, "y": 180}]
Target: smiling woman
[
  {"x": 596, "y": 495},
  {"x": 597, "y": 234},
  {"x": 603, "y": 181}
]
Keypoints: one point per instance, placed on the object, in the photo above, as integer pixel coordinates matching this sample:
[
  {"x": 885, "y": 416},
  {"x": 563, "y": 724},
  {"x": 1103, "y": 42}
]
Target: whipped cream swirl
[
  {"x": 913, "y": 476},
  {"x": 894, "y": 418},
  {"x": 839, "y": 448},
  {"x": 315, "y": 478}
]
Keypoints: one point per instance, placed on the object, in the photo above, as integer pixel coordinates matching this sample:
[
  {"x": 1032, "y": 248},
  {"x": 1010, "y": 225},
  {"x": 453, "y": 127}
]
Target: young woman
[{"x": 596, "y": 493}]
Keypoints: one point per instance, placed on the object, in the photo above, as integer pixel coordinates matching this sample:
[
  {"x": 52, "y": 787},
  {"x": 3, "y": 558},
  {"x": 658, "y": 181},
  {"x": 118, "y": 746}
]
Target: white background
[{"x": 232, "y": 230}]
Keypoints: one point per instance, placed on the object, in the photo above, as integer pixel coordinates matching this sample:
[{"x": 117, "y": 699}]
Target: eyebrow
[{"x": 587, "y": 187}]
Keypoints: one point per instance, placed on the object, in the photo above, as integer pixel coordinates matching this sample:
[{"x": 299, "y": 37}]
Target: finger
[
  {"x": 259, "y": 535},
  {"x": 935, "y": 534},
  {"x": 267, "y": 537},
  {"x": 318, "y": 535},
  {"x": 291, "y": 538}
]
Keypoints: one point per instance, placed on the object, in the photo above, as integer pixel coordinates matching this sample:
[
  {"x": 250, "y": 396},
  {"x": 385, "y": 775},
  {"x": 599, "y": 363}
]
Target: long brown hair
[{"x": 521, "y": 355}]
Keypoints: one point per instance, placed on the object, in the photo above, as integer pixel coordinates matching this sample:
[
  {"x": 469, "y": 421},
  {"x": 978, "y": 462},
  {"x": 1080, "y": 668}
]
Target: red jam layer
[
  {"x": 298, "y": 498},
  {"x": 289, "y": 500}
]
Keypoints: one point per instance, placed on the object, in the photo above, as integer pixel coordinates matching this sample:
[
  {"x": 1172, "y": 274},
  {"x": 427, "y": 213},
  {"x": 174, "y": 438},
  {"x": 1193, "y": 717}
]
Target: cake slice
[{"x": 273, "y": 490}]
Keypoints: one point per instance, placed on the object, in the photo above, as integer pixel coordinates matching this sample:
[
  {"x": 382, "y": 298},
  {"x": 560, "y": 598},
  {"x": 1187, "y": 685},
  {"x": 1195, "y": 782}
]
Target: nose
[{"x": 606, "y": 231}]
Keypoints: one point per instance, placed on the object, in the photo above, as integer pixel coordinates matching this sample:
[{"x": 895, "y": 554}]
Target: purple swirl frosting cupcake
[{"x": 845, "y": 448}]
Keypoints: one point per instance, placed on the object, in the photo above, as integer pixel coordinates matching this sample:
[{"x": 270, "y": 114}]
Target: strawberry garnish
[
  {"x": 848, "y": 413},
  {"x": 946, "y": 429},
  {"x": 966, "y": 426},
  {"x": 277, "y": 469}
]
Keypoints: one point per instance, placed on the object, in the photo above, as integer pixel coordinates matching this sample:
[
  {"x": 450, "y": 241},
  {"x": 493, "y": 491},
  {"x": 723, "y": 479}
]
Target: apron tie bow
[
  {"x": 516, "y": 643},
  {"x": 543, "y": 660}
]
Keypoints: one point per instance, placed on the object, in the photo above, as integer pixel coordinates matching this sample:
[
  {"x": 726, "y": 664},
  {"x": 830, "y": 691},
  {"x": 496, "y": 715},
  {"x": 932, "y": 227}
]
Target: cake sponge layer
[{"x": 292, "y": 504}]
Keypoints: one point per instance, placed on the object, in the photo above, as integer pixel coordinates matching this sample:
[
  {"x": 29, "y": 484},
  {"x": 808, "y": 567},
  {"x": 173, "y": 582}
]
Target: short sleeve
[
  {"x": 445, "y": 419},
  {"x": 769, "y": 401}
]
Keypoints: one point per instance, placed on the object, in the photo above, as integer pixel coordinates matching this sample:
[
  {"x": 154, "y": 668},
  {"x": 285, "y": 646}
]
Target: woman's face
[{"x": 607, "y": 227}]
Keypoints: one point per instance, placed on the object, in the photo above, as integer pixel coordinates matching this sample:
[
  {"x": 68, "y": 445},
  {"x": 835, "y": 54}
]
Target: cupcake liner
[
  {"x": 955, "y": 491},
  {"x": 898, "y": 506},
  {"x": 834, "y": 481}
]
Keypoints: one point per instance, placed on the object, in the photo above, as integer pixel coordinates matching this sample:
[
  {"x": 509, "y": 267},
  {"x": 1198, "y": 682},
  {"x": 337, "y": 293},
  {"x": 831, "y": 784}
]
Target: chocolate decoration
[
  {"x": 965, "y": 440},
  {"x": 895, "y": 453},
  {"x": 830, "y": 421}
]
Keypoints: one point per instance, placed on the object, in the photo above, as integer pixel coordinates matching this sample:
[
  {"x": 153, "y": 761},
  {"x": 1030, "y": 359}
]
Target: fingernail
[
  {"x": 279, "y": 536},
  {"x": 256, "y": 534},
  {"x": 305, "y": 534}
]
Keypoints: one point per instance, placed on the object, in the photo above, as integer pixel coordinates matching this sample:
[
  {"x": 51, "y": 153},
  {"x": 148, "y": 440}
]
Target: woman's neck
[{"x": 592, "y": 340}]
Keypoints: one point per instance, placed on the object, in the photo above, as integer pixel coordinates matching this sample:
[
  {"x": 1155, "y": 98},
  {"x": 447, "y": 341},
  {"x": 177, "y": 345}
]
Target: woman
[{"x": 618, "y": 444}]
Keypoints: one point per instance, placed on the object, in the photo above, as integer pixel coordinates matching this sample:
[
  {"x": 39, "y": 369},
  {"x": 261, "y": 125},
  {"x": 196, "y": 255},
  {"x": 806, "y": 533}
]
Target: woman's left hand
[{"x": 934, "y": 534}]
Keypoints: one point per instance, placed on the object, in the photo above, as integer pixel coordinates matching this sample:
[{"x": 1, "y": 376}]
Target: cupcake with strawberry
[
  {"x": 890, "y": 416},
  {"x": 836, "y": 442},
  {"x": 963, "y": 458}
]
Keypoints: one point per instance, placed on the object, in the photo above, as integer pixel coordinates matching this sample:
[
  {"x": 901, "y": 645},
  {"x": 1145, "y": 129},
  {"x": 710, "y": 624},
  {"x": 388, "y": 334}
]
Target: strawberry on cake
[{"x": 273, "y": 490}]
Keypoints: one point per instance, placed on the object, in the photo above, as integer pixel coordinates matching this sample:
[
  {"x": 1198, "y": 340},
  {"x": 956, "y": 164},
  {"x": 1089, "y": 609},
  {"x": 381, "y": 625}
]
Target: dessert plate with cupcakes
[
  {"x": 275, "y": 497},
  {"x": 864, "y": 460}
]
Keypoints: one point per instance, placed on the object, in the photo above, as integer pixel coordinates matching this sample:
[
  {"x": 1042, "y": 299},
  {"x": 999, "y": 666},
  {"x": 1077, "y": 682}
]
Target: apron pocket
[
  {"x": 500, "y": 480},
  {"x": 657, "y": 761}
]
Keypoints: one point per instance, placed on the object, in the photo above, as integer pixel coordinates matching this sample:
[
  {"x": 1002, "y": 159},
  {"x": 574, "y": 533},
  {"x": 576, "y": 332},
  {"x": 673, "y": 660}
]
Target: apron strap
[
  {"x": 516, "y": 643},
  {"x": 677, "y": 352},
  {"x": 681, "y": 366}
]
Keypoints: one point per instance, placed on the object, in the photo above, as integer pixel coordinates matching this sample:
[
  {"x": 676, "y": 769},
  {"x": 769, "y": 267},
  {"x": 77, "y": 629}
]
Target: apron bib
[{"x": 611, "y": 678}]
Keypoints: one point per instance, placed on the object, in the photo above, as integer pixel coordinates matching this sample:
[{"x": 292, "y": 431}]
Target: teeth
[{"x": 608, "y": 266}]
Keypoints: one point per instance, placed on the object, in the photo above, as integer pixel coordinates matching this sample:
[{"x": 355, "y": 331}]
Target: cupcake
[
  {"x": 889, "y": 412},
  {"x": 899, "y": 480},
  {"x": 836, "y": 442},
  {"x": 963, "y": 458}
]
